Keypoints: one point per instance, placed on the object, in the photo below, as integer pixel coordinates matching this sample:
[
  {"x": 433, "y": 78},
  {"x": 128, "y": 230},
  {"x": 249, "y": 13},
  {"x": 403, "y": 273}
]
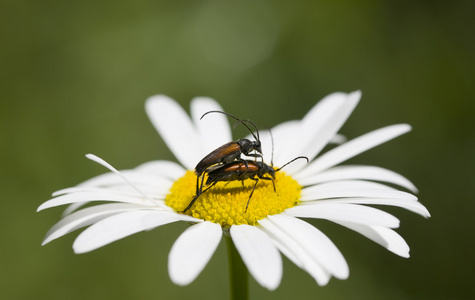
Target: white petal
[
  {"x": 72, "y": 207},
  {"x": 410, "y": 205},
  {"x": 321, "y": 124},
  {"x": 159, "y": 191},
  {"x": 122, "y": 225},
  {"x": 266, "y": 145},
  {"x": 275, "y": 148},
  {"x": 386, "y": 237},
  {"x": 351, "y": 184},
  {"x": 314, "y": 242},
  {"x": 295, "y": 252},
  {"x": 269, "y": 228},
  {"x": 176, "y": 129},
  {"x": 344, "y": 212},
  {"x": 339, "y": 189},
  {"x": 259, "y": 255},
  {"x": 283, "y": 135},
  {"x": 213, "y": 129},
  {"x": 115, "y": 184},
  {"x": 85, "y": 217},
  {"x": 338, "y": 139},
  {"x": 143, "y": 174},
  {"x": 156, "y": 190},
  {"x": 93, "y": 196},
  {"x": 111, "y": 168},
  {"x": 192, "y": 250},
  {"x": 157, "y": 174},
  {"x": 352, "y": 148},
  {"x": 164, "y": 168},
  {"x": 359, "y": 172},
  {"x": 136, "y": 178}
]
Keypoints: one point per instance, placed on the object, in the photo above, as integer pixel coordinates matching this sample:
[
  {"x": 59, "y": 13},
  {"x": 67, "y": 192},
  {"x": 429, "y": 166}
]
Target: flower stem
[{"x": 237, "y": 272}]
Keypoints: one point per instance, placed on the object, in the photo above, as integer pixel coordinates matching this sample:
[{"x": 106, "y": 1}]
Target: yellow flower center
[{"x": 225, "y": 203}]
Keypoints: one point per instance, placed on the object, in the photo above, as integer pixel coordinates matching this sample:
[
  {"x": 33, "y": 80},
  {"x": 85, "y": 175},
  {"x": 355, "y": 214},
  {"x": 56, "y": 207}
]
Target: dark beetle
[
  {"x": 231, "y": 151},
  {"x": 228, "y": 153},
  {"x": 239, "y": 170}
]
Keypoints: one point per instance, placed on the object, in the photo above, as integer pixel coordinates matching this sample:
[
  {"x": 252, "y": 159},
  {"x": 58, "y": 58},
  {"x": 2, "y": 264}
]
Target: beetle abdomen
[
  {"x": 226, "y": 154},
  {"x": 233, "y": 171}
]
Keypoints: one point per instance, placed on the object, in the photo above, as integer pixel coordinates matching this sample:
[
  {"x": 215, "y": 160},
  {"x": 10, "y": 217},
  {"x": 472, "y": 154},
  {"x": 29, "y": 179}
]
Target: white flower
[{"x": 151, "y": 194}]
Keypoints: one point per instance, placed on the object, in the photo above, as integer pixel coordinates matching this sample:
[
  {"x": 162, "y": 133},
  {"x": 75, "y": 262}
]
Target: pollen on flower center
[{"x": 225, "y": 203}]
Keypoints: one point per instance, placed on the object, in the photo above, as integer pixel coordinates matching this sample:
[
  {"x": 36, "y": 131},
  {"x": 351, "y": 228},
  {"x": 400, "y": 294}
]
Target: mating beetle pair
[{"x": 225, "y": 163}]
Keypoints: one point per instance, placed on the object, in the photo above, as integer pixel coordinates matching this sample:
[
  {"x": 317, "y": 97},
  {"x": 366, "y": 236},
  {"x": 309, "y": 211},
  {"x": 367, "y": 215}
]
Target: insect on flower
[
  {"x": 241, "y": 171},
  {"x": 231, "y": 151},
  {"x": 227, "y": 153},
  {"x": 152, "y": 194}
]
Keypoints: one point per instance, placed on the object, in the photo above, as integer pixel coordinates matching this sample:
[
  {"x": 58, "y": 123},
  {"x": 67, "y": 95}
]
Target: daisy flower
[{"x": 154, "y": 194}]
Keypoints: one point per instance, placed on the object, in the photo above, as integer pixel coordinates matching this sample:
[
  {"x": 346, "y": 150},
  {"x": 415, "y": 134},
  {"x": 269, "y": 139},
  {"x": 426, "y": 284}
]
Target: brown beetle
[
  {"x": 239, "y": 170},
  {"x": 231, "y": 151}
]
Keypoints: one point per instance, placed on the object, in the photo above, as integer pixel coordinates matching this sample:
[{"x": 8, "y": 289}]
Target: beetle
[
  {"x": 231, "y": 151},
  {"x": 239, "y": 170}
]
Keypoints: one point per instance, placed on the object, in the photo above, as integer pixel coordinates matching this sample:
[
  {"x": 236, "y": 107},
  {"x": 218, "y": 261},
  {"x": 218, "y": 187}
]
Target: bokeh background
[{"x": 74, "y": 76}]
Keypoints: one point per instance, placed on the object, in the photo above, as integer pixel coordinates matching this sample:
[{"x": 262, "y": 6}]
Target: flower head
[{"x": 154, "y": 194}]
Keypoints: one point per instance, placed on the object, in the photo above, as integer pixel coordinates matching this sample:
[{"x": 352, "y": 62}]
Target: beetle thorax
[{"x": 248, "y": 146}]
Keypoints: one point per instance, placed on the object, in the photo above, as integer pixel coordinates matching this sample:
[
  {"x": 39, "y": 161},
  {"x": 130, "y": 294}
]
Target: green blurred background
[{"x": 74, "y": 76}]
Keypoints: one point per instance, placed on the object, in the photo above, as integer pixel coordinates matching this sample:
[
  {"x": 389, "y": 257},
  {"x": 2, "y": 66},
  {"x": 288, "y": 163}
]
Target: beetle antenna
[
  {"x": 298, "y": 157},
  {"x": 243, "y": 122},
  {"x": 257, "y": 131}
]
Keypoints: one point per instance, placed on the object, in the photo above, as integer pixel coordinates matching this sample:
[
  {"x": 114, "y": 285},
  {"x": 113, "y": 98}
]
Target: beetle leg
[
  {"x": 247, "y": 166},
  {"x": 191, "y": 204},
  {"x": 257, "y": 180},
  {"x": 213, "y": 184},
  {"x": 268, "y": 178},
  {"x": 255, "y": 155},
  {"x": 199, "y": 191},
  {"x": 198, "y": 195},
  {"x": 198, "y": 184}
]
